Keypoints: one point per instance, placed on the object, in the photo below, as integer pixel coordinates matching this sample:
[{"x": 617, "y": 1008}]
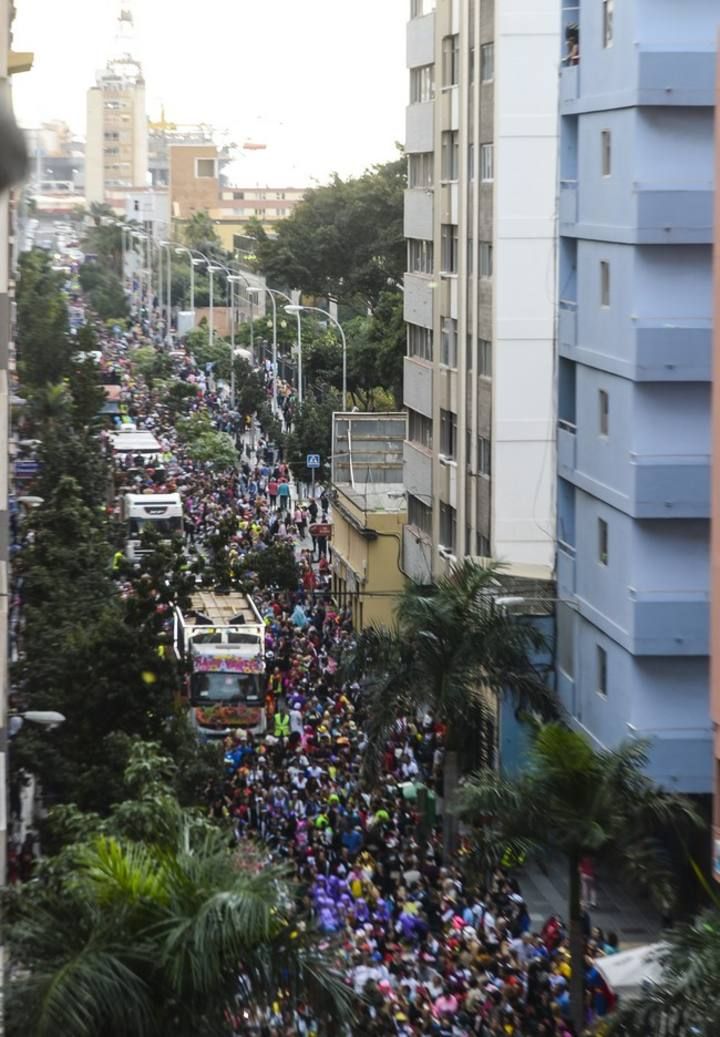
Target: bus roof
[{"x": 234, "y": 609}]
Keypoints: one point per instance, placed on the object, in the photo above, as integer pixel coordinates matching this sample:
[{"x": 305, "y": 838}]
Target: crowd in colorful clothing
[{"x": 429, "y": 948}]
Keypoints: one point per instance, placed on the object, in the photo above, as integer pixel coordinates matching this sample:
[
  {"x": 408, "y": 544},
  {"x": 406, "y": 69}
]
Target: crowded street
[{"x": 427, "y": 947}]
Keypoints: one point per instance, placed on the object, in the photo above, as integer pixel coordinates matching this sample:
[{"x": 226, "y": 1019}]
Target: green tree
[
  {"x": 151, "y": 364},
  {"x": 578, "y": 801},
  {"x": 453, "y": 652},
  {"x": 312, "y": 430},
  {"x": 104, "y": 290},
  {"x": 199, "y": 233},
  {"x": 145, "y": 924},
  {"x": 249, "y": 388},
  {"x": 215, "y": 448},
  {"x": 273, "y": 566},
  {"x": 44, "y": 344},
  {"x": 685, "y": 1001},
  {"x": 103, "y": 238},
  {"x": 345, "y": 240}
]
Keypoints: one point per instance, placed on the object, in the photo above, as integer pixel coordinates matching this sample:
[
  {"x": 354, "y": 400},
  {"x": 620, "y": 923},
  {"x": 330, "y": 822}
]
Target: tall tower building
[
  {"x": 634, "y": 377},
  {"x": 481, "y": 143},
  {"x": 116, "y": 155}
]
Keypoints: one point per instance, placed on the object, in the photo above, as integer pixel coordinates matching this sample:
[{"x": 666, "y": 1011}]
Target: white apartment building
[
  {"x": 480, "y": 209},
  {"x": 116, "y": 150}
]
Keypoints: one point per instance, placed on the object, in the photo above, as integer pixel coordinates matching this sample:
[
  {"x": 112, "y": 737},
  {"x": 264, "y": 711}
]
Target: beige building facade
[{"x": 479, "y": 288}]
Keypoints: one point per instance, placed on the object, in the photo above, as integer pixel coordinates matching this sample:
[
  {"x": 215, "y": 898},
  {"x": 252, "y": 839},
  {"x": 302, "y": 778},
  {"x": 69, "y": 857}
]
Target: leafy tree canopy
[{"x": 344, "y": 240}]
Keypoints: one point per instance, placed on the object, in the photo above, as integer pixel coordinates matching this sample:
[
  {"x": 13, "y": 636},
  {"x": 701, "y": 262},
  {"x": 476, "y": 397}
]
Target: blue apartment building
[{"x": 634, "y": 376}]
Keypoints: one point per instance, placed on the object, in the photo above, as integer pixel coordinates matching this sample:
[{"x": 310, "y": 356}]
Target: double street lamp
[
  {"x": 272, "y": 292},
  {"x": 317, "y": 309}
]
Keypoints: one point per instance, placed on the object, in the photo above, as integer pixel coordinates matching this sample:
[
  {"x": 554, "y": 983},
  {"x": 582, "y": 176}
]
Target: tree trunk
[
  {"x": 451, "y": 777},
  {"x": 577, "y": 948}
]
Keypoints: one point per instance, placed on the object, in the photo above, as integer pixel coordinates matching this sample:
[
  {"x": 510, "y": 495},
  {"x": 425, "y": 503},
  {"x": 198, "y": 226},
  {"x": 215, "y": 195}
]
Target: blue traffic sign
[{"x": 312, "y": 461}]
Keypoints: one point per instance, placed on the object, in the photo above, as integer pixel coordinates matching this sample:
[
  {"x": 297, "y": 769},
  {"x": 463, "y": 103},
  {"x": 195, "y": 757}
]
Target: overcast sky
[{"x": 321, "y": 82}]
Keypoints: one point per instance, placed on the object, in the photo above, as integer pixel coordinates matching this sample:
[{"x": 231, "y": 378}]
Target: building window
[
  {"x": 420, "y": 429},
  {"x": 604, "y": 411},
  {"x": 602, "y": 541},
  {"x": 483, "y": 546},
  {"x": 280, "y": 195},
  {"x": 420, "y": 169},
  {"x": 471, "y": 161},
  {"x": 487, "y": 62},
  {"x": 604, "y": 282},
  {"x": 485, "y": 259},
  {"x": 608, "y": 8},
  {"x": 469, "y": 359},
  {"x": 206, "y": 168},
  {"x": 238, "y": 195},
  {"x": 601, "y": 663},
  {"x": 420, "y": 342},
  {"x": 487, "y": 172},
  {"x": 606, "y": 151},
  {"x": 448, "y": 342},
  {"x": 449, "y": 248},
  {"x": 422, "y": 84},
  {"x": 420, "y": 256},
  {"x": 419, "y": 515},
  {"x": 470, "y": 256},
  {"x": 451, "y": 60},
  {"x": 448, "y": 527},
  {"x": 450, "y": 155},
  {"x": 484, "y": 358},
  {"x": 448, "y": 433},
  {"x": 484, "y": 461}
]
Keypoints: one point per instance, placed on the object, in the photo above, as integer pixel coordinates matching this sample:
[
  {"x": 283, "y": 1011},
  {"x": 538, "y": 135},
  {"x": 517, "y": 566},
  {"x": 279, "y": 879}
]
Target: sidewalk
[{"x": 632, "y": 917}]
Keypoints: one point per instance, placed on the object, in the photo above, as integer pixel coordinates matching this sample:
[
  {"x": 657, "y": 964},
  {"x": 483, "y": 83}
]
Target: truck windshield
[
  {"x": 165, "y": 526},
  {"x": 226, "y": 687}
]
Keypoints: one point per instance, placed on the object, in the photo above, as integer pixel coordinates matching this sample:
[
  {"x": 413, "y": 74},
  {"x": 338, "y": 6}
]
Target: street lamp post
[
  {"x": 317, "y": 309},
  {"x": 179, "y": 250},
  {"x": 168, "y": 245},
  {"x": 272, "y": 292}
]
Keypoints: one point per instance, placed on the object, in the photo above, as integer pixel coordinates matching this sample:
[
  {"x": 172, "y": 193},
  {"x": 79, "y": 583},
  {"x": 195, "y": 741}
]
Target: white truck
[
  {"x": 161, "y": 511},
  {"x": 222, "y": 637}
]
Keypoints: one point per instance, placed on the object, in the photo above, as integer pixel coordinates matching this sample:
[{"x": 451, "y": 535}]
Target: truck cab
[{"x": 161, "y": 511}]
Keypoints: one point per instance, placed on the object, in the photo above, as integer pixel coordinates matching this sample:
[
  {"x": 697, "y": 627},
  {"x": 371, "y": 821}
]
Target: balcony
[
  {"x": 569, "y": 83},
  {"x": 418, "y": 214},
  {"x": 568, "y": 202},
  {"x": 417, "y": 471},
  {"x": 676, "y": 77},
  {"x": 565, "y": 571},
  {"x": 670, "y": 622},
  {"x": 419, "y": 122},
  {"x": 567, "y": 449},
  {"x": 671, "y": 486},
  {"x": 417, "y": 555},
  {"x": 668, "y": 350},
  {"x": 418, "y": 385},
  {"x": 675, "y": 215},
  {"x": 567, "y": 324}
]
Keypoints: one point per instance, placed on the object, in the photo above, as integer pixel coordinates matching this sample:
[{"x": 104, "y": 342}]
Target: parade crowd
[{"x": 429, "y": 947}]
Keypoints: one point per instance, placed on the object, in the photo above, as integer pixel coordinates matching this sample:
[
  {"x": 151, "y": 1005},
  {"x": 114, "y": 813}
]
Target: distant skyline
[{"x": 321, "y": 83}]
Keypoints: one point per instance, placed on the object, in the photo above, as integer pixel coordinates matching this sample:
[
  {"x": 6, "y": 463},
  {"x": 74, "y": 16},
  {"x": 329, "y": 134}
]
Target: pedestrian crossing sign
[{"x": 312, "y": 461}]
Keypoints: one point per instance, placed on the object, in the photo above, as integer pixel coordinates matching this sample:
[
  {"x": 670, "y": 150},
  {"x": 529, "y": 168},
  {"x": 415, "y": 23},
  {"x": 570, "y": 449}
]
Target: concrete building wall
[
  {"x": 634, "y": 394},
  {"x": 94, "y": 160},
  {"x": 485, "y": 375},
  {"x": 189, "y": 191},
  {"x": 715, "y": 513}
]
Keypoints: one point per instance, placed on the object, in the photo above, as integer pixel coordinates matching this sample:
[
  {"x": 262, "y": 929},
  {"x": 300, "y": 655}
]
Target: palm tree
[
  {"x": 582, "y": 802},
  {"x": 144, "y": 941},
  {"x": 454, "y": 652},
  {"x": 686, "y": 1001}
]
